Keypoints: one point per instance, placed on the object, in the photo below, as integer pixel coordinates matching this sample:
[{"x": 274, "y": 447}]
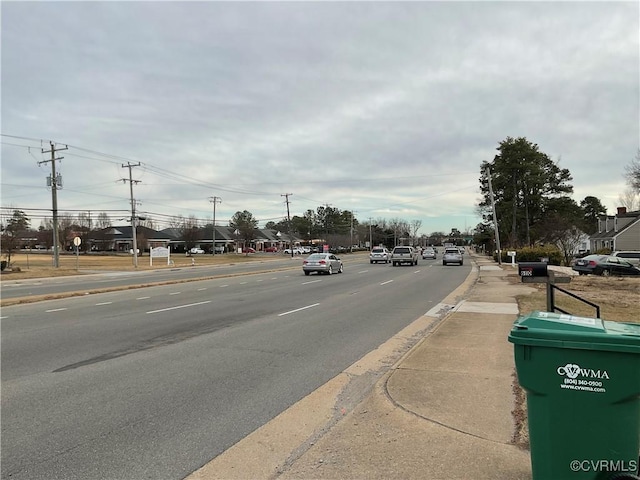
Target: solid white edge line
[
  {"x": 298, "y": 309},
  {"x": 179, "y": 306}
]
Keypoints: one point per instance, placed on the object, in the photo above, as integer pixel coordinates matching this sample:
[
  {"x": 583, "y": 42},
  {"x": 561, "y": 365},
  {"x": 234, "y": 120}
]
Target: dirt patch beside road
[
  {"x": 617, "y": 297},
  {"x": 40, "y": 265}
]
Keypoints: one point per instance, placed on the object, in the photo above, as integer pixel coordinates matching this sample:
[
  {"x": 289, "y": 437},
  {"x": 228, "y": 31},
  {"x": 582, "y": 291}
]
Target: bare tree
[
  {"x": 147, "y": 222},
  {"x": 189, "y": 231},
  {"x": 176, "y": 222},
  {"x": 632, "y": 173},
  {"x": 401, "y": 229},
  {"x": 415, "y": 226},
  {"x": 630, "y": 199},
  {"x": 103, "y": 221},
  {"x": 66, "y": 223}
]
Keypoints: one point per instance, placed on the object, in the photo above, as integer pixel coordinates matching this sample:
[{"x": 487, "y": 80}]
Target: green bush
[{"x": 533, "y": 254}]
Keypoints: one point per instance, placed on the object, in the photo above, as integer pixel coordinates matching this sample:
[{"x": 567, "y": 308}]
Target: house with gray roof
[
  {"x": 617, "y": 232},
  {"x": 120, "y": 239}
]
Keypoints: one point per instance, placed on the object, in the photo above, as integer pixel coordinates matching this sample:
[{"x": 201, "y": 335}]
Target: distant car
[
  {"x": 451, "y": 255},
  {"x": 296, "y": 251},
  {"x": 196, "y": 250},
  {"x": 220, "y": 249},
  {"x": 379, "y": 254},
  {"x": 248, "y": 250},
  {"x": 429, "y": 253},
  {"x": 604, "y": 265},
  {"x": 322, "y": 263},
  {"x": 271, "y": 249}
]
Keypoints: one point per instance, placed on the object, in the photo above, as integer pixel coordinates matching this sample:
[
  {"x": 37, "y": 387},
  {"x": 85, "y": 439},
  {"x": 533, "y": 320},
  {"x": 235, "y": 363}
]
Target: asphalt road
[{"x": 154, "y": 382}]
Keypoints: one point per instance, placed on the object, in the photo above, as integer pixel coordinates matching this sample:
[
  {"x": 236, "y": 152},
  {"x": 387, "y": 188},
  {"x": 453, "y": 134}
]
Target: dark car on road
[{"x": 604, "y": 265}]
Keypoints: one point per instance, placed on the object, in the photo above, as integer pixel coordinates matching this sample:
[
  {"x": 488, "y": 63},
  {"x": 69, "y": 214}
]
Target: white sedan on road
[{"x": 322, "y": 263}]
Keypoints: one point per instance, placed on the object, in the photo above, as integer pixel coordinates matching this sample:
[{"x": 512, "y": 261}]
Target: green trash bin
[{"x": 582, "y": 378}]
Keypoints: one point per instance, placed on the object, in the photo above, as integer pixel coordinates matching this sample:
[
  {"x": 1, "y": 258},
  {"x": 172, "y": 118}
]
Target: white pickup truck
[{"x": 404, "y": 254}]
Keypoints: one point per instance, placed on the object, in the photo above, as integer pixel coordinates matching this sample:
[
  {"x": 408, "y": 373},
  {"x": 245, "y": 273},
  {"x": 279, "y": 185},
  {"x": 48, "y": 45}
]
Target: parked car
[
  {"x": 296, "y": 251},
  {"x": 322, "y": 263},
  {"x": 196, "y": 250},
  {"x": 452, "y": 255},
  {"x": 604, "y": 265},
  {"x": 379, "y": 254},
  {"x": 248, "y": 250},
  {"x": 220, "y": 249},
  {"x": 429, "y": 253},
  {"x": 271, "y": 249},
  {"x": 633, "y": 257}
]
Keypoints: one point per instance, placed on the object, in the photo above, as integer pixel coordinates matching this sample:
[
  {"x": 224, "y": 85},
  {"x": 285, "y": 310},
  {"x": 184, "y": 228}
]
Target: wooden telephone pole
[{"x": 56, "y": 183}]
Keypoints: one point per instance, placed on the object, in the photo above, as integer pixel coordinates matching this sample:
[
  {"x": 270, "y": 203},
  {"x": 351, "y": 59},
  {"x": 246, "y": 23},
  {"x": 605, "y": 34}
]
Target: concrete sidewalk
[{"x": 444, "y": 411}]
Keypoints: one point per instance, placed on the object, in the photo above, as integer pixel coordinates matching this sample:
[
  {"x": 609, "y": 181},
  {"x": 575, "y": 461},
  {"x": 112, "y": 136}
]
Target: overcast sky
[{"x": 386, "y": 109}]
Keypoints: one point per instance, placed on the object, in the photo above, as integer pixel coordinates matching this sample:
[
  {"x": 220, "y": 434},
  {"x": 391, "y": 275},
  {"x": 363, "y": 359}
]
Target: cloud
[{"x": 384, "y": 108}]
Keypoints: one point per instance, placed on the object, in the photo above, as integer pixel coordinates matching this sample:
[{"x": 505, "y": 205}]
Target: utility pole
[
  {"x": 56, "y": 183},
  {"x": 370, "y": 237},
  {"x": 351, "y": 232},
  {"x": 286, "y": 195},
  {"x": 495, "y": 218},
  {"x": 133, "y": 210},
  {"x": 214, "y": 200}
]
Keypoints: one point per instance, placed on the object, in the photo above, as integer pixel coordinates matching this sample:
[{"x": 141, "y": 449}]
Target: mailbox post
[
  {"x": 533, "y": 270},
  {"x": 537, "y": 272}
]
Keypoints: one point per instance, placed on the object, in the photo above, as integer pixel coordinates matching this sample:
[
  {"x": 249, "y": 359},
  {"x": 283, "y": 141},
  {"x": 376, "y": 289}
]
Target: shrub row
[{"x": 534, "y": 254}]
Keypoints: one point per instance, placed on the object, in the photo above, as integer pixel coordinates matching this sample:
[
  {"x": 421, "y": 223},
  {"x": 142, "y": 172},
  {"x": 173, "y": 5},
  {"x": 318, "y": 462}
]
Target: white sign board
[{"x": 160, "y": 252}]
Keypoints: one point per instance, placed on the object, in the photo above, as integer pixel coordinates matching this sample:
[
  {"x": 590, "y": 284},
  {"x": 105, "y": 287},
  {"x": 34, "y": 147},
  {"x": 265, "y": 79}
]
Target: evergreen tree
[{"x": 524, "y": 180}]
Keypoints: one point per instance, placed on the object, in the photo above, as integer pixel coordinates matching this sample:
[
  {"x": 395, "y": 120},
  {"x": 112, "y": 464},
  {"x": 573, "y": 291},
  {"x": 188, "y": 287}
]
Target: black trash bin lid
[{"x": 569, "y": 331}]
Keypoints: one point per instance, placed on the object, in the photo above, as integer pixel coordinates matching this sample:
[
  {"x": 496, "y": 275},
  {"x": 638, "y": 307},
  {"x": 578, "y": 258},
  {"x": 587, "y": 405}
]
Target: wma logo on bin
[{"x": 571, "y": 370}]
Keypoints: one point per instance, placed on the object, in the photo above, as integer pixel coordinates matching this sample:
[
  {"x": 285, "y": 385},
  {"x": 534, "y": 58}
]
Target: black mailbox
[{"x": 532, "y": 269}]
